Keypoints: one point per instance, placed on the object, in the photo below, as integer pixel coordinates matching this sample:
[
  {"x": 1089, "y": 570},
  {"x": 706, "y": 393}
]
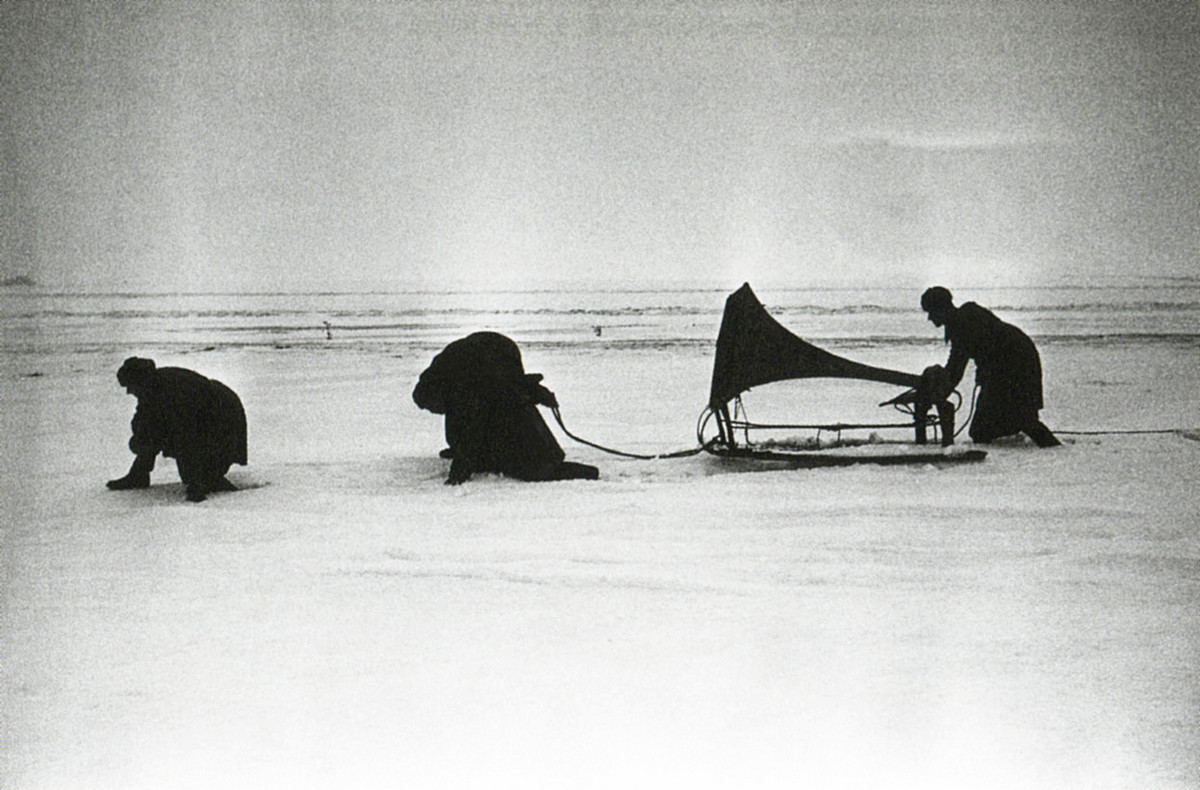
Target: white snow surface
[{"x": 346, "y": 620}]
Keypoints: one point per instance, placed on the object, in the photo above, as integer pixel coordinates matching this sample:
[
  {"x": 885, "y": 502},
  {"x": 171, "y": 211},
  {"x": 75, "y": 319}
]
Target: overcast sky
[{"x": 370, "y": 144}]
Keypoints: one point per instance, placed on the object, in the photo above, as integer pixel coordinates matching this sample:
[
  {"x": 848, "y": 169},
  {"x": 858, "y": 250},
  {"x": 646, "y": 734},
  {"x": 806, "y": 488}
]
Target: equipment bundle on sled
[{"x": 754, "y": 349}]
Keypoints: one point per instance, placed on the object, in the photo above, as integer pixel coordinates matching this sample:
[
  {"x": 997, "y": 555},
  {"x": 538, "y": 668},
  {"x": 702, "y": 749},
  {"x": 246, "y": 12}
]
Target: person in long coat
[
  {"x": 196, "y": 420},
  {"x": 492, "y": 423},
  {"x": 1008, "y": 369}
]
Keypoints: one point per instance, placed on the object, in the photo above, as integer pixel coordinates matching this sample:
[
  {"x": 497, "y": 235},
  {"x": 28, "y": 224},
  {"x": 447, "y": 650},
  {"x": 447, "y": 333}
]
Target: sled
[{"x": 754, "y": 349}]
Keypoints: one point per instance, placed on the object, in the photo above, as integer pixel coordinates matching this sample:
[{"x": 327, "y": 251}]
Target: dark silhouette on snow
[
  {"x": 197, "y": 421},
  {"x": 492, "y": 420},
  {"x": 1008, "y": 369}
]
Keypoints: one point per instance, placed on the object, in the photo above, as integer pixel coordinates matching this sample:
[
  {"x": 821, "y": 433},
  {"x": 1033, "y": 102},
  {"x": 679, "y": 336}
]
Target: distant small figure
[
  {"x": 197, "y": 421},
  {"x": 598, "y": 330},
  {"x": 328, "y": 331},
  {"x": 1008, "y": 369},
  {"x": 492, "y": 420}
]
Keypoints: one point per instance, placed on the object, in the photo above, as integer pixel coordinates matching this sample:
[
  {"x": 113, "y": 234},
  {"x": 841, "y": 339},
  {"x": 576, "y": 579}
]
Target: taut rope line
[{"x": 1181, "y": 431}]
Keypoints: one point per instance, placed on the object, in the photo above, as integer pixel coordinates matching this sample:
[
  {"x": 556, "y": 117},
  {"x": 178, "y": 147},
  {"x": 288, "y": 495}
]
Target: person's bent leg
[
  {"x": 983, "y": 431},
  {"x": 460, "y": 471},
  {"x": 217, "y": 481},
  {"x": 987, "y": 424},
  {"x": 195, "y": 484}
]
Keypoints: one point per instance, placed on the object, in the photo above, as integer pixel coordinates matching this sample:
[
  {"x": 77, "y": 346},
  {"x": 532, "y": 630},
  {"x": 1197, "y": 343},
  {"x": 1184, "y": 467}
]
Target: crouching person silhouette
[
  {"x": 195, "y": 420},
  {"x": 490, "y": 405}
]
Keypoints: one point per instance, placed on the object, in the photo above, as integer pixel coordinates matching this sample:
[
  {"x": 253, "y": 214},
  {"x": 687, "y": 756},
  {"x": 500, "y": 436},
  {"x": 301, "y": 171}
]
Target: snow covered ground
[{"x": 346, "y": 620}]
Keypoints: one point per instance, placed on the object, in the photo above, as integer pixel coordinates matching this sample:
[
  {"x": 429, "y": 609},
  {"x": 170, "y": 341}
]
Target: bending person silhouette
[
  {"x": 492, "y": 420},
  {"x": 1008, "y": 369},
  {"x": 195, "y": 420}
]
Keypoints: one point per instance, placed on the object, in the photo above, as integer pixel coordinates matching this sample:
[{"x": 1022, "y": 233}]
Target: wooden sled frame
[{"x": 726, "y": 445}]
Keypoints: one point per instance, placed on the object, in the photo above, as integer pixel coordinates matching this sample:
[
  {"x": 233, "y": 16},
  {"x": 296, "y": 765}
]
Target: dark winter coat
[
  {"x": 490, "y": 404},
  {"x": 196, "y": 420},
  {"x": 1008, "y": 370}
]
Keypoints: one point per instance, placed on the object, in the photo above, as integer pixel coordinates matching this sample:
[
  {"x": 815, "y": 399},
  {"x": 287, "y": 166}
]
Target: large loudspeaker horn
[{"x": 753, "y": 349}]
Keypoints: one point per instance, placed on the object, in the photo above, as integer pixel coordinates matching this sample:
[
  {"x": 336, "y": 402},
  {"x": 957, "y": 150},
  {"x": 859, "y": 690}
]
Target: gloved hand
[{"x": 538, "y": 392}]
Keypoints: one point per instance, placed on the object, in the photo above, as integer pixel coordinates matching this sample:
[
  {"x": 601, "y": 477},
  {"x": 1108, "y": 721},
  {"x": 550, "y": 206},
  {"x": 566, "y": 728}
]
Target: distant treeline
[{"x": 19, "y": 280}]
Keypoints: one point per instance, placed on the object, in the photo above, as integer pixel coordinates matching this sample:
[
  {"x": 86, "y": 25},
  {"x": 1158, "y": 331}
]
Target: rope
[
  {"x": 622, "y": 453},
  {"x": 970, "y": 414},
  {"x": 1181, "y": 431}
]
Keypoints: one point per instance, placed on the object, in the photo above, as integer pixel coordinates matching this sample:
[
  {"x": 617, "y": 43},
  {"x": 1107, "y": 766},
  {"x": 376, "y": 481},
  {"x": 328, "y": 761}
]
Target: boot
[
  {"x": 222, "y": 484},
  {"x": 138, "y": 475},
  {"x": 1042, "y": 435},
  {"x": 129, "y": 481}
]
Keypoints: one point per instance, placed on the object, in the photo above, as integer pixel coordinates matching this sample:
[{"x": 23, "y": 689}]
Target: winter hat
[
  {"x": 135, "y": 370},
  {"x": 936, "y": 298}
]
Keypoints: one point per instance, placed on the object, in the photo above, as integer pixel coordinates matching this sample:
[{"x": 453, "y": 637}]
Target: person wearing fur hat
[
  {"x": 492, "y": 422},
  {"x": 196, "y": 420},
  {"x": 1008, "y": 369}
]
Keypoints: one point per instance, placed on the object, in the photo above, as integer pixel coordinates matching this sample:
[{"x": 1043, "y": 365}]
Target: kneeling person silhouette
[
  {"x": 197, "y": 421},
  {"x": 490, "y": 405},
  {"x": 1008, "y": 369}
]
